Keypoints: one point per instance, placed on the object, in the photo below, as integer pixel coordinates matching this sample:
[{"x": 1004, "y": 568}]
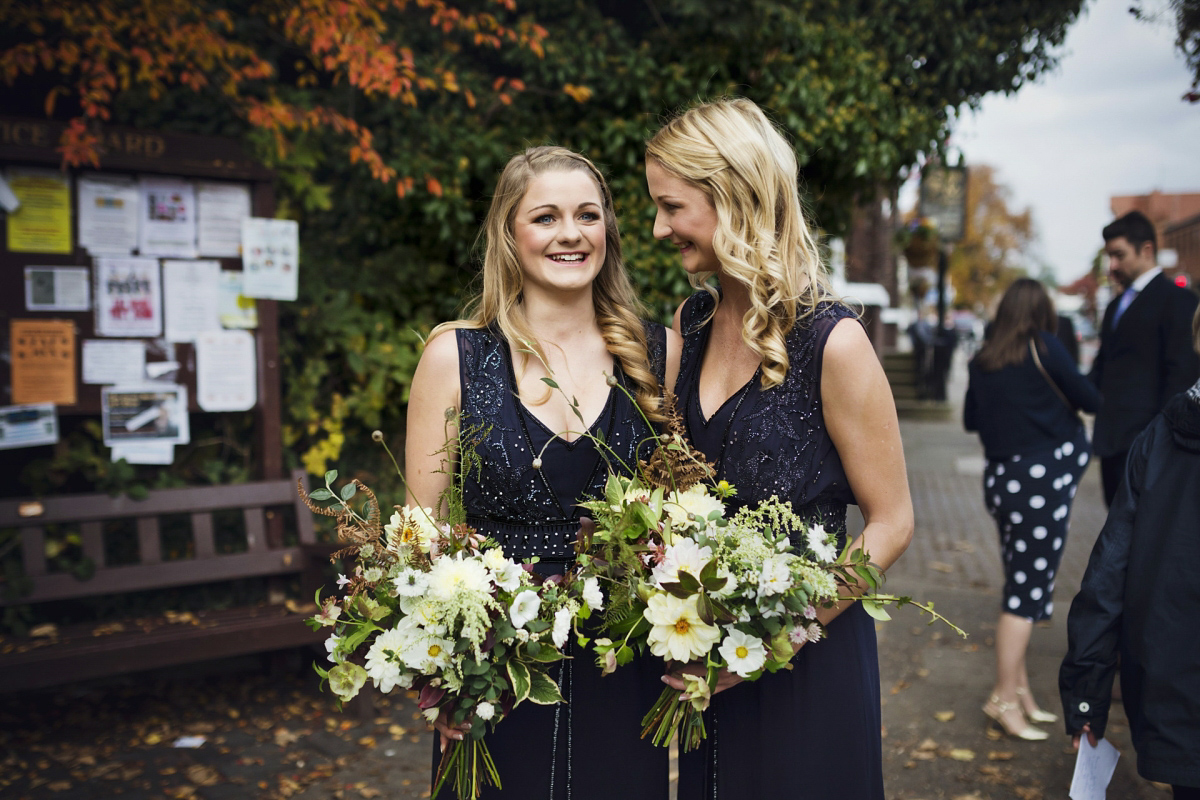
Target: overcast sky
[{"x": 1108, "y": 122}]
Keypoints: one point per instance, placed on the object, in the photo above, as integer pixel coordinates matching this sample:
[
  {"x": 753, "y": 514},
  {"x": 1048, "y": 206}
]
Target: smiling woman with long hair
[
  {"x": 1021, "y": 399},
  {"x": 556, "y": 301}
]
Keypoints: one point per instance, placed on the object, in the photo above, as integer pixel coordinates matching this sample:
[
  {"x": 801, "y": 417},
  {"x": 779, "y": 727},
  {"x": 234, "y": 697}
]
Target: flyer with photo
[
  {"x": 128, "y": 297},
  {"x": 151, "y": 413}
]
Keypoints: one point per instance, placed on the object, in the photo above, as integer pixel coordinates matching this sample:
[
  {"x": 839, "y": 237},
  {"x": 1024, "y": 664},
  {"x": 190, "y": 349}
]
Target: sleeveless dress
[
  {"x": 813, "y": 731},
  {"x": 588, "y": 747}
]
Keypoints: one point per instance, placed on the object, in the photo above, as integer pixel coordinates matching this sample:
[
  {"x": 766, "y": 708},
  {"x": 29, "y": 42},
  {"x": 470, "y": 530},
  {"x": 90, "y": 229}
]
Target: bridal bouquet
[
  {"x": 695, "y": 584},
  {"x": 434, "y": 607}
]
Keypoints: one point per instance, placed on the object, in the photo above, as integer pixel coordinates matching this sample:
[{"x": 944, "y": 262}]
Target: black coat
[
  {"x": 1146, "y": 361},
  {"x": 1140, "y": 597}
]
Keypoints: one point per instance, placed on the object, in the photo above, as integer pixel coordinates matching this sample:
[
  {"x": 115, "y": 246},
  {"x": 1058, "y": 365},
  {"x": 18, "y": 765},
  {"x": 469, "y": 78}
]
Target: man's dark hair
[{"x": 1137, "y": 229}]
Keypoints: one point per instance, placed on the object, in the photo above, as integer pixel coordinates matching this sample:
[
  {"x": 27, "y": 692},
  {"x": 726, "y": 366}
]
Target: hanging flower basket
[{"x": 918, "y": 240}]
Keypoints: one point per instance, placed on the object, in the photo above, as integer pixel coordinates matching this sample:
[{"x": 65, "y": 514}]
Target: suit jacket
[{"x": 1146, "y": 361}]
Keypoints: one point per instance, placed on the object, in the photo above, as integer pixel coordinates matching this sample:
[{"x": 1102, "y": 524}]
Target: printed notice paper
[
  {"x": 237, "y": 310},
  {"x": 57, "y": 289},
  {"x": 168, "y": 218},
  {"x": 43, "y": 361},
  {"x": 270, "y": 258},
  {"x": 145, "y": 414},
  {"x": 108, "y": 215},
  {"x": 191, "y": 292},
  {"x": 226, "y": 371},
  {"x": 1094, "y": 768},
  {"x": 42, "y": 223},
  {"x": 28, "y": 426},
  {"x": 114, "y": 361},
  {"x": 222, "y": 207},
  {"x": 128, "y": 298}
]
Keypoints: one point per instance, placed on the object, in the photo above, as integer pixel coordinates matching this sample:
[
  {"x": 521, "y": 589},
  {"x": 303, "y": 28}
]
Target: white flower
[
  {"x": 819, "y": 542},
  {"x": 373, "y": 574},
  {"x": 776, "y": 575},
  {"x": 342, "y": 580},
  {"x": 509, "y": 577},
  {"x": 696, "y": 501},
  {"x": 592, "y": 594},
  {"x": 451, "y": 576},
  {"x": 331, "y": 647},
  {"x": 411, "y": 583},
  {"x": 562, "y": 626},
  {"x": 677, "y": 631},
  {"x": 524, "y": 608},
  {"x": 493, "y": 558},
  {"x": 684, "y": 555},
  {"x": 329, "y": 612},
  {"x": 410, "y": 528},
  {"x": 428, "y": 654},
  {"x": 485, "y": 710},
  {"x": 431, "y": 714},
  {"x": 742, "y": 652},
  {"x": 383, "y": 661}
]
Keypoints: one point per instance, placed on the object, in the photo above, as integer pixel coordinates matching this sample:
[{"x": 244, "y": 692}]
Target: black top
[
  {"x": 1138, "y": 600},
  {"x": 1015, "y": 410},
  {"x": 532, "y": 512},
  {"x": 770, "y": 442}
]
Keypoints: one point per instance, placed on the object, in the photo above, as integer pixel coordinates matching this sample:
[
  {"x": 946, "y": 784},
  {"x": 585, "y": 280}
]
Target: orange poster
[{"x": 43, "y": 361}]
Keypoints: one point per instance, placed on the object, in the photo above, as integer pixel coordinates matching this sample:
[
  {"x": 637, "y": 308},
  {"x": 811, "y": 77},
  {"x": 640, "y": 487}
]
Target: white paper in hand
[{"x": 1094, "y": 768}]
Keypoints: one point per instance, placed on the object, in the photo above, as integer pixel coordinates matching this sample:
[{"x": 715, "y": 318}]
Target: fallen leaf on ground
[
  {"x": 105, "y": 630},
  {"x": 284, "y": 737},
  {"x": 962, "y": 754},
  {"x": 1028, "y": 792},
  {"x": 59, "y": 786},
  {"x": 1000, "y": 755},
  {"x": 943, "y": 716},
  {"x": 202, "y": 775},
  {"x": 928, "y": 744},
  {"x": 47, "y": 630},
  {"x": 397, "y": 730},
  {"x": 941, "y": 566}
]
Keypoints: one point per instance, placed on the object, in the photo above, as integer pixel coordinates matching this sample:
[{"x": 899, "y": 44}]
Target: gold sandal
[
  {"x": 996, "y": 710},
  {"x": 1038, "y": 715}
]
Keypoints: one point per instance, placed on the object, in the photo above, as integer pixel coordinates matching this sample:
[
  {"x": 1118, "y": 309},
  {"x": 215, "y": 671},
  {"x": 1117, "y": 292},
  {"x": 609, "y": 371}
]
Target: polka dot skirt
[{"x": 1030, "y": 497}]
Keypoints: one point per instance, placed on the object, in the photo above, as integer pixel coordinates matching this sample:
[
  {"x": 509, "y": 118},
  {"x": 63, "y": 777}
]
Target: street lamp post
[{"x": 943, "y": 200}]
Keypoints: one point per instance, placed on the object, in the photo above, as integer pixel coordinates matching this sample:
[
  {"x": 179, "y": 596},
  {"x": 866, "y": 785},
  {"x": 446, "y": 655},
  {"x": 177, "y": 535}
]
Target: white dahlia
[{"x": 677, "y": 631}]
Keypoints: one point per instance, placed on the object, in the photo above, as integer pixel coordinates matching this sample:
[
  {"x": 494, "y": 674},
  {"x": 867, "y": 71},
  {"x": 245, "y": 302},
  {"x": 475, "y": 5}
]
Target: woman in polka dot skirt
[{"x": 1021, "y": 399}]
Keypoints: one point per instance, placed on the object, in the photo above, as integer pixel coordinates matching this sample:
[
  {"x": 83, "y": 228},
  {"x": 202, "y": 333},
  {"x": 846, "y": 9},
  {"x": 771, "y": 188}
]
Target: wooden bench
[{"x": 112, "y": 647}]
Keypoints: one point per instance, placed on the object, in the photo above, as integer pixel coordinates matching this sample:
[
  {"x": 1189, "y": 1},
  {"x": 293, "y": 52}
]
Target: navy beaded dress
[
  {"x": 590, "y": 746},
  {"x": 813, "y": 731}
]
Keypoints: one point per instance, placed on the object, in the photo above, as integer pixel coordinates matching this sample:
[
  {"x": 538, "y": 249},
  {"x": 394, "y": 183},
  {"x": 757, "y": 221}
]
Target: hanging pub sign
[{"x": 944, "y": 200}]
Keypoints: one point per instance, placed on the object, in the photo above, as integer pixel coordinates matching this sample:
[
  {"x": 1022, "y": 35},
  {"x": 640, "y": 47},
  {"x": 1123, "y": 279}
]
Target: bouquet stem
[
  {"x": 469, "y": 764},
  {"x": 670, "y": 714}
]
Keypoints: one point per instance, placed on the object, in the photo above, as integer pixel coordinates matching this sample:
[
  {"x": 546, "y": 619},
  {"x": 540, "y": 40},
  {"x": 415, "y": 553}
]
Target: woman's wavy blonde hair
[
  {"x": 730, "y": 151},
  {"x": 618, "y": 310}
]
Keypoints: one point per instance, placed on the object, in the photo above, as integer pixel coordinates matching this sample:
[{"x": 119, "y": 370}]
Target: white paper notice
[
  {"x": 148, "y": 414},
  {"x": 114, "y": 361},
  {"x": 226, "y": 371},
  {"x": 28, "y": 426},
  {"x": 108, "y": 215},
  {"x": 57, "y": 289},
  {"x": 144, "y": 453},
  {"x": 191, "y": 297},
  {"x": 168, "y": 218},
  {"x": 128, "y": 297},
  {"x": 237, "y": 310},
  {"x": 222, "y": 207},
  {"x": 270, "y": 257},
  {"x": 1094, "y": 768}
]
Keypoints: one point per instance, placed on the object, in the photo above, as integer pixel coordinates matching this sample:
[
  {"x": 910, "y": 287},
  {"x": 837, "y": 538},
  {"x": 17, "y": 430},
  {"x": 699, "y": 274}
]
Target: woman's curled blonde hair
[
  {"x": 618, "y": 310},
  {"x": 730, "y": 151}
]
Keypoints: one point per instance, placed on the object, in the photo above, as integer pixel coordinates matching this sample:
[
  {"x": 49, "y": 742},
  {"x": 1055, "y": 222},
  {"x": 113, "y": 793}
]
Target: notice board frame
[{"x": 33, "y": 143}]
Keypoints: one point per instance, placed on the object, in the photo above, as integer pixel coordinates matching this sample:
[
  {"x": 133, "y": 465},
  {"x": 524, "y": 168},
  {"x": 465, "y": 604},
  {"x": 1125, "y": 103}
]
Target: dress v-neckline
[
  {"x": 706, "y": 420},
  {"x": 525, "y": 411}
]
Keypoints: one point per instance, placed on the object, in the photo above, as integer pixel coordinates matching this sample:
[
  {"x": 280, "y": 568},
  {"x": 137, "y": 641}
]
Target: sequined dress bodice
[
  {"x": 533, "y": 512},
  {"x": 771, "y": 442}
]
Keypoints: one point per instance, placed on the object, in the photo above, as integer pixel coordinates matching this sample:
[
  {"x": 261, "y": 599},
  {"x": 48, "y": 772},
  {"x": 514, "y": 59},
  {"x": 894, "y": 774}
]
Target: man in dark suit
[{"x": 1146, "y": 354}]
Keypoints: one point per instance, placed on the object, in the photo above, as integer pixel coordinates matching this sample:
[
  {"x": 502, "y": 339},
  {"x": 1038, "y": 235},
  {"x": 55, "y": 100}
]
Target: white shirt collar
[{"x": 1140, "y": 282}]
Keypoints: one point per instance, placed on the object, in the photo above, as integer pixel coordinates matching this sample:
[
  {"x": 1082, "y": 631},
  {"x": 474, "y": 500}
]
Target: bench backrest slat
[
  {"x": 33, "y": 551},
  {"x": 149, "y": 543},
  {"x": 202, "y": 534}
]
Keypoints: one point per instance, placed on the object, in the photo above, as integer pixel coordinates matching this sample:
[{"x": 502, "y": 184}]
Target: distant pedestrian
[
  {"x": 1140, "y": 599},
  {"x": 1145, "y": 355},
  {"x": 1021, "y": 399}
]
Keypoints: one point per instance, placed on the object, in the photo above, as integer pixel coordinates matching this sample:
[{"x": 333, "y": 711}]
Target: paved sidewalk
[{"x": 272, "y": 735}]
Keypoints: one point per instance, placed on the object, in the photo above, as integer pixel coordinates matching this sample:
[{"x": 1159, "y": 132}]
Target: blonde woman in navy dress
[
  {"x": 554, "y": 281},
  {"x": 781, "y": 388},
  {"x": 1037, "y": 450}
]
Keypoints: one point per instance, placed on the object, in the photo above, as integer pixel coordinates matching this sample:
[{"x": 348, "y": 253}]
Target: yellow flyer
[{"x": 42, "y": 223}]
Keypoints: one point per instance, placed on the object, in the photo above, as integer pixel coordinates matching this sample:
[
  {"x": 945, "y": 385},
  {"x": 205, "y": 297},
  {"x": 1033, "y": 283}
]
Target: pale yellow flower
[{"x": 678, "y": 632}]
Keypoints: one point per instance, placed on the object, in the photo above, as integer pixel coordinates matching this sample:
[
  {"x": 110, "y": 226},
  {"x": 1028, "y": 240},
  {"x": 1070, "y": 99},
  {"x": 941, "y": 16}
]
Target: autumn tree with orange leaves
[{"x": 84, "y": 55}]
